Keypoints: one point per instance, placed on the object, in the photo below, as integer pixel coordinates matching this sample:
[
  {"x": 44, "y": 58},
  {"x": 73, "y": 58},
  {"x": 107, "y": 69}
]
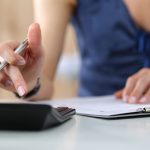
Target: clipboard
[
  {"x": 140, "y": 112},
  {"x": 106, "y": 107}
]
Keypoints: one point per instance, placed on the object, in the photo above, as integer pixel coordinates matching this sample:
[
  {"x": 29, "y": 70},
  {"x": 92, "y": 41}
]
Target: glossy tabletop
[{"x": 83, "y": 133}]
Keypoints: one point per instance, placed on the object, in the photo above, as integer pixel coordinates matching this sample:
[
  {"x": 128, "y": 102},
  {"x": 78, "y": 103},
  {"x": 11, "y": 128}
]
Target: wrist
[{"x": 45, "y": 92}]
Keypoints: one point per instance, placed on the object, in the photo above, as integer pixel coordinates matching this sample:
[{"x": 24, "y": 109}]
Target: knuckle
[
  {"x": 17, "y": 82},
  {"x": 12, "y": 42},
  {"x": 17, "y": 60},
  {"x": 131, "y": 79},
  {"x": 142, "y": 81},
  {"x": 7, "y": 41},
  {"x": 144, "y": 70},
  {"x": 13, "y": 61},
  {"x": 136, "y": 92}
]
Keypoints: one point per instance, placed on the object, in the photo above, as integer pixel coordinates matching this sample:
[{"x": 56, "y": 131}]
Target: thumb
[{"x": 34, "y": 37}]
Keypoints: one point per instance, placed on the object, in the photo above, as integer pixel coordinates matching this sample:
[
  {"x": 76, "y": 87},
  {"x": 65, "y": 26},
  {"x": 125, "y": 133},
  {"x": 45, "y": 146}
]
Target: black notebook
[{"x": 32, "y": 116}]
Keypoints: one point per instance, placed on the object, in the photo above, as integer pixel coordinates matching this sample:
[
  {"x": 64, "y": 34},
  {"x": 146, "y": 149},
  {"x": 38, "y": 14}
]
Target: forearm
[
  {"x": 53, "y": 16},
  {"x": 140, "y": 12}
]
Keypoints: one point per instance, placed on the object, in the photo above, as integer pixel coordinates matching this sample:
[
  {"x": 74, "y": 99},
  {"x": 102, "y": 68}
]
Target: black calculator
[{"x": 30, "y": 116}]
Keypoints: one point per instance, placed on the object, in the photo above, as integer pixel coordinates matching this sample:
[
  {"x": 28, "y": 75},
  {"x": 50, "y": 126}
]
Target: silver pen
[{"x": 18, "y": 50}]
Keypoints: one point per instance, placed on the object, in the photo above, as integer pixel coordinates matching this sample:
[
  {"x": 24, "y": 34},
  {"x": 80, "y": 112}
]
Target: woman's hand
[
  {"x": 22, "y": 72},
  {"x": 137, "y": 88}
]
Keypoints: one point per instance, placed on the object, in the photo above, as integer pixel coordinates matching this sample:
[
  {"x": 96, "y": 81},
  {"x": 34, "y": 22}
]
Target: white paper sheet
[{"x": 98, "y": 106}]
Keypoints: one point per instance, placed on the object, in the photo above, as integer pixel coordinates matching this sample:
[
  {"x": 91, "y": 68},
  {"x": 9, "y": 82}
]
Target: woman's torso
[{"x": 111, "y": 46}]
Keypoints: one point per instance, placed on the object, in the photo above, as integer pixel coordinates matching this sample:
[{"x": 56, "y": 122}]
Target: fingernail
[
  {"x": 125, "y": 98},
  {"x": 1, "y": 59},
  {"x": 21, "y": 62},
  {"x": 21, "y": 91},
  {"x": 8, "y": 83},
  {"x": 143, "y": 100},
  {"x": 132, "y": 99}
]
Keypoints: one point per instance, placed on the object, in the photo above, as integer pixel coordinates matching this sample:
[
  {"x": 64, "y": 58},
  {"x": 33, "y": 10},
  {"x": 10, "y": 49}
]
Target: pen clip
[
  {"x": 144, "y": 110},
  {"x": 147, "y": 109},
  {"x": 21, "y": 47}
]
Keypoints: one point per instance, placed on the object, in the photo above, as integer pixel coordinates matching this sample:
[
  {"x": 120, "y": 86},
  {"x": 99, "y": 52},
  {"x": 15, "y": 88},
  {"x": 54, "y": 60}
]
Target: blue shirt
[{"x": 112, "y": 47}]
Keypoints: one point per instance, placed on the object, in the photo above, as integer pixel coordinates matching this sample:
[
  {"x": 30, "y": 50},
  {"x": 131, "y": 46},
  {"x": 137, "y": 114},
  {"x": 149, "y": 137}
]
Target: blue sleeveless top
[{"x": 112, "y": 47}]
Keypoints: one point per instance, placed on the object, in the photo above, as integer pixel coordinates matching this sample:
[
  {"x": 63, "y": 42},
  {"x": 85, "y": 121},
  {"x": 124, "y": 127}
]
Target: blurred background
[{"x": 16, "y": 16}]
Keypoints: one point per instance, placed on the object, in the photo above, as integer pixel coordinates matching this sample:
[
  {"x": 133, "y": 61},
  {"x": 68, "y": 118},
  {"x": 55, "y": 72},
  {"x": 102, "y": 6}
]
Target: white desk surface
[{"x": 83, "y": 133}]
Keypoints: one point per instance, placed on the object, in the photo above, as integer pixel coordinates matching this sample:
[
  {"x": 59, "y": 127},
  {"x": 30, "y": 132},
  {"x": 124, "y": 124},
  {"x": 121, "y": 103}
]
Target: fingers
[
  {"x": 140, "y": 88},
  {"x": 34, "y": 38},
  {"x": 18, "y": 81},
  {"x": 137, "y": 87},
  {"x": 7, "y": 54},
  {"x": 118, "y": 94},
  {"x": 145, "y": 98},
  {"x": 130, "y": 85},
  {"x": 5, "y": 81},
  {"x": 11, "y": 78}
]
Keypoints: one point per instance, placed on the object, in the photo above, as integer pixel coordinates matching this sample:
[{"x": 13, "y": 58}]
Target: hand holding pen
[{"x": 20, "y": 70}]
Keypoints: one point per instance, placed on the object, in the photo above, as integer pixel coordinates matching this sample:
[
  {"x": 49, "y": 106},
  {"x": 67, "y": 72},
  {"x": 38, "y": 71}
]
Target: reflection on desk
[{"x": 83, "y": 133}]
